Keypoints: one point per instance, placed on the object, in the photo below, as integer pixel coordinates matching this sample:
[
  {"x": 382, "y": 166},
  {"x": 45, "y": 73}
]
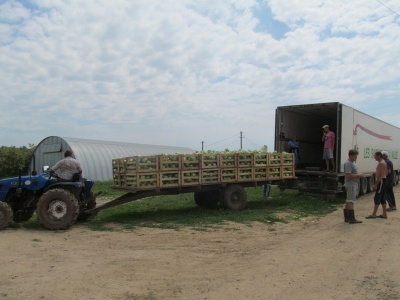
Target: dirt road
[{"x": 310, "y": 259}]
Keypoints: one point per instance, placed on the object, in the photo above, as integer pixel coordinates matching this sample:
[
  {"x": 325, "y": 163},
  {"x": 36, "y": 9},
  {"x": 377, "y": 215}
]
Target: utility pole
[
  {"x": 202, "y": 145},
  {"x": 241, "y": 140}
]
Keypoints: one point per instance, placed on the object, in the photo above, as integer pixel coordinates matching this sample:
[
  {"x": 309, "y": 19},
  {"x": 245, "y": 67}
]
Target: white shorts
[{"x": 352, "y": 192}]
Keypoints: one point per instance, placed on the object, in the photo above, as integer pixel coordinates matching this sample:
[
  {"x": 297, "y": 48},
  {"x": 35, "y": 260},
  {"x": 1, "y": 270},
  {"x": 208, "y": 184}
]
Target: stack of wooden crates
[{"x": 181, "y": 170}]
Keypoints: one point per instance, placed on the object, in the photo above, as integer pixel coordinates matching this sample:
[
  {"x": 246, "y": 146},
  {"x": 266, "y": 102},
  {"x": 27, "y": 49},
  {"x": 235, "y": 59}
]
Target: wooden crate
[
  {"x": 274, "y": 159},
  {"x": 227, "y": 160},
  {"x": 245, "y": 160},
  {"x": 122, "y": 165},
  {"x": 261, "y": 174},
  {"x": 209, "y": 176},
  {"x": 245, "y": 174},
  {"x": 287, "y": 159},
  {"x": 147, "y": 180},
  {"x": 170, "y": 162},
  {"x": 119, "y": 180},
  {"x": 260, "y": 159},
  {"x": 148, "y": 163},
  {"x": 209, "y": 161},
  {"x": 170, "y": 179},
  {"x": 131, "y": 180},
  {"x": 191, "y": 161},
  {"x": 274, "y": 173},
  {"x": 130, "y": 164},
  {"x": 118, "y": 166},
  {"x": 229, "y": 175},
  {"x": 190, "y": 177}
]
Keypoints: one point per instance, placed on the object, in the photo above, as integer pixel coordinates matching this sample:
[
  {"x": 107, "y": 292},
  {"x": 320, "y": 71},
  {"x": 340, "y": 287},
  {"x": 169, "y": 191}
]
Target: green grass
[
  {"x": 105, "y": 188},
  {"x": 180, "y": 211}
]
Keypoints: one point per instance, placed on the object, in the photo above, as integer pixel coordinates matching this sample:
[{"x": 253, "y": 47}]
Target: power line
[
  {"x": 226, "y": 145},
  {"x": 222, "y": 140},
  {"x": 388, "y": 7},
  {"x": 252, "y": 142}
]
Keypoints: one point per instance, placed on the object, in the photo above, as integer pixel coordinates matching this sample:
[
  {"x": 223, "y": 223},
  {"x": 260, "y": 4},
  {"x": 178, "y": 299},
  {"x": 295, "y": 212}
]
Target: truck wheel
[
  {"x": 57, "y": 209},
  {"x": 207, "y": 199},
  {"x": 363, "y": 186},
  {"x": 83, "y": 215},
  {"x": 6, "y": 215},
  {"x": 199, "y": 198},
  {"x": 23, "y": 215},
  {"x": 234, "y": 197}
]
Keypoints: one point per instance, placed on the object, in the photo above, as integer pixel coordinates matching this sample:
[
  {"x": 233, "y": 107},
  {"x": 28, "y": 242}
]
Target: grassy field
[{"x": 180, "y": 211}]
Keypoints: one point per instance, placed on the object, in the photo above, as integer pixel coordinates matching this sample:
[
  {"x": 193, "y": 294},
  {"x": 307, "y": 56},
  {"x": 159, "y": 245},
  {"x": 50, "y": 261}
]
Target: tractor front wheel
[
  {"x": 57, "y": 209},
  {"x": 6, "y": 215}
]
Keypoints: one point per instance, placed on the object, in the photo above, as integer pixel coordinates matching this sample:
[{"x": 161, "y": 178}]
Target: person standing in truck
[
  {"x": 70, "y": 167},
  {"x": 294, "y": 146},
  {"x": 391, "y": 200},
  {"x": 328, "y": 138},
  {"x": 379, "y": 187},
  {"x": 351, "y": 183}
]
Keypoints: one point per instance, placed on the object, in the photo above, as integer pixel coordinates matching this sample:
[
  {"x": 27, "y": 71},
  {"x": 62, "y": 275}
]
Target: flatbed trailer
[{"x": 216, "y": 179}]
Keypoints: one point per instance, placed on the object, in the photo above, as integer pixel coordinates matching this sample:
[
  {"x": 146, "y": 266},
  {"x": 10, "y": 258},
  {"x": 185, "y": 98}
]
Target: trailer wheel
[
  {"x": 370, "y": 184},
  {"x": 234, "y": 197},
  {"x": 207, "y": 199},
  {"x": 57, "y": 209},
  {"x": 6, "y": 215},
  {"x": 363, "y": 186},
  {"x": 23, "y": 215}
]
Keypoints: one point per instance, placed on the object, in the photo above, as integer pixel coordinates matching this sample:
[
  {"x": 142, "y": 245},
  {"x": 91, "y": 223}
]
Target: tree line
[{"x": 12, "y": 159}]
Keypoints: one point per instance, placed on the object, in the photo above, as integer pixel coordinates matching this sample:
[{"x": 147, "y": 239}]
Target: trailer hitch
[
  {"x": 91, "y": 198},
  {"x": 129, "y": 197}
]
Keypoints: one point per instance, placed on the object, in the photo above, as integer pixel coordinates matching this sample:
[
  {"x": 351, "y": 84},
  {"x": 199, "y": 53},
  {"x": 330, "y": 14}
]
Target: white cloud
[{"x": 179, "y": 72}]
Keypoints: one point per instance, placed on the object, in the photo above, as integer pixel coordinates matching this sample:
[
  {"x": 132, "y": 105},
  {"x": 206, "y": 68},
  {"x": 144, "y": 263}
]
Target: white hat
[
  {"x": 385, "y": 153},
  {"x": 325, "y": 126}
]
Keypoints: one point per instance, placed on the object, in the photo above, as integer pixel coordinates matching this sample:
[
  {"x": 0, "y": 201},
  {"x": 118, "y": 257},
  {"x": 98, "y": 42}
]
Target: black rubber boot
[
  {"x": 346, "y": 215},
  {"x": 352, "y": 218}
]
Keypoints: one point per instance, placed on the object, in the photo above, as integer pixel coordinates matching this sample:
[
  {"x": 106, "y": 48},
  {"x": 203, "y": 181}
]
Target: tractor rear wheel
[
  {"x": 57, "y": 209},
  {"x": 234, "y": 197},
  {"x": 6, "y": 215}
]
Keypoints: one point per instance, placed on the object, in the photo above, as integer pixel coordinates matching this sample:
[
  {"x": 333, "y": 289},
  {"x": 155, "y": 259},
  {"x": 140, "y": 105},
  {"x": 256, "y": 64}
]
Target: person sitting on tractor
[{"x": 70, "y": 167}]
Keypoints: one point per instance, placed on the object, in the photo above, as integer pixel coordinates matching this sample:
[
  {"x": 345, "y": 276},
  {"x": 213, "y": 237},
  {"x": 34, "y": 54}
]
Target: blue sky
[{"x": 181, "y": 72}]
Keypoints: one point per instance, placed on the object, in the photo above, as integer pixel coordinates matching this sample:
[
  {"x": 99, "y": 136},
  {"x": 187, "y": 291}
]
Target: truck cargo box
[{"x": 353, "y": 130}]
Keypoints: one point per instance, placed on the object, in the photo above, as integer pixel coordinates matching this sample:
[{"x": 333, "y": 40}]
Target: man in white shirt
[{"x": 68, "y": 166}]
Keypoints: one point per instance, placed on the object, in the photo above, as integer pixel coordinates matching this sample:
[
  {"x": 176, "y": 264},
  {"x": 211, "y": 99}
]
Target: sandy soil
[{"x": 310, "y": 259}]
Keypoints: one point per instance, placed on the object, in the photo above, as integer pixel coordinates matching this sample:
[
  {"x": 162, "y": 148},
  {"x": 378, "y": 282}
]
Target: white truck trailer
[{"x": 353, "y": 130}]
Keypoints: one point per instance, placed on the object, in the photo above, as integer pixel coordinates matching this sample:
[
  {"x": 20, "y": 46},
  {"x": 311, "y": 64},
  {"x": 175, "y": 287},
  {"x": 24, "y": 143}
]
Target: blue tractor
[{"x": 58, "y": 203}]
